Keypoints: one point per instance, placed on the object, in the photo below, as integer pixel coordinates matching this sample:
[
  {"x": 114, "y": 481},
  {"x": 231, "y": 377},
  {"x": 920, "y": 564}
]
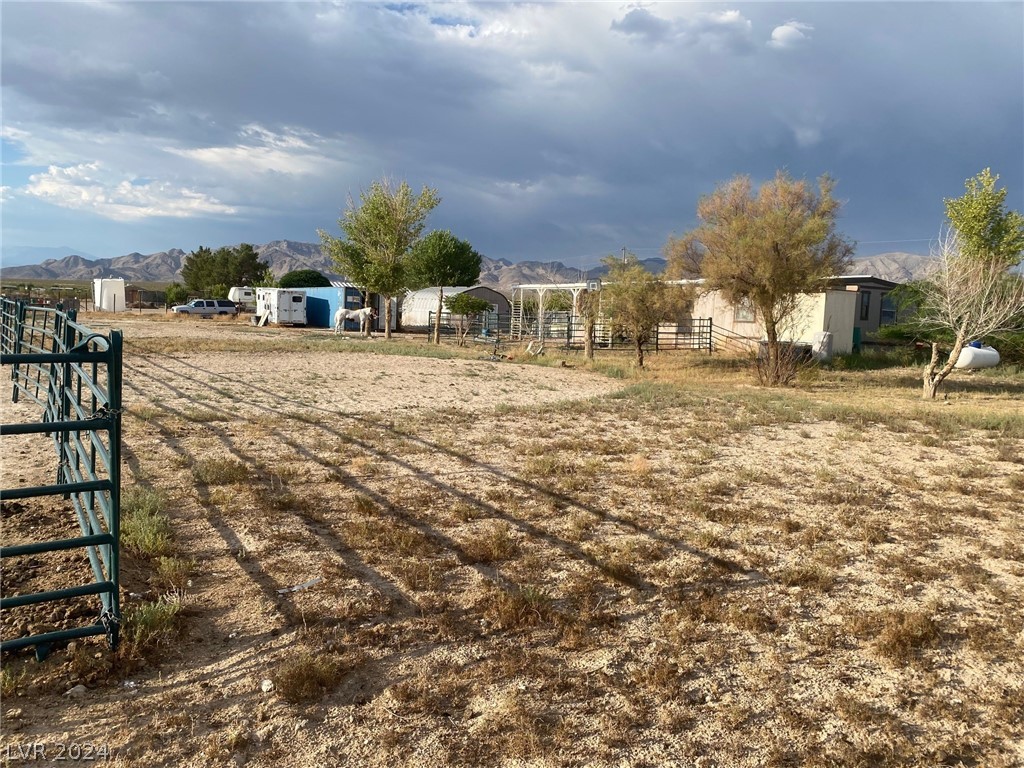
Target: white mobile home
[
  {"x": 282, "y": 306},
  {"x": 831, "y": 311}
]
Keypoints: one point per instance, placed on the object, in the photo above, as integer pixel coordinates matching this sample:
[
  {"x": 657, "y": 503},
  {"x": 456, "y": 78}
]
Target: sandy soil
[{"x": 512, "y": 567}]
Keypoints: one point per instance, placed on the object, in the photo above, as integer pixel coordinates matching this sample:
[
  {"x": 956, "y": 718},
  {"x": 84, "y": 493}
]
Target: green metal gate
[{"x": 74, "y": 377}]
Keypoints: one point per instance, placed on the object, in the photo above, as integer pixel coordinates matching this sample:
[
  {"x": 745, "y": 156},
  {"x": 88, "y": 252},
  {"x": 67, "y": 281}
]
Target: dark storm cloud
[{"x": 548, "y": 129}]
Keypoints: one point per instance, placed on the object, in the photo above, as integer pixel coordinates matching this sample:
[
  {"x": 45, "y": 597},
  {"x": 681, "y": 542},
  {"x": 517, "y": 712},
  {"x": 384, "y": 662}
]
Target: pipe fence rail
[
  {"x": 563, "y": 330},
  {"x": 73, "y": 376}
]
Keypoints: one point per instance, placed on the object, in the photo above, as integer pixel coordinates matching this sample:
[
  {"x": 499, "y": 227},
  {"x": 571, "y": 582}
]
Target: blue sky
[{"x": 551, "y": 131}]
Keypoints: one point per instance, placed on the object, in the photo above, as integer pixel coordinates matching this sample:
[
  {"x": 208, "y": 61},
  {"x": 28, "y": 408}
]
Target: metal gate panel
[{"x": 74, "y": 376}]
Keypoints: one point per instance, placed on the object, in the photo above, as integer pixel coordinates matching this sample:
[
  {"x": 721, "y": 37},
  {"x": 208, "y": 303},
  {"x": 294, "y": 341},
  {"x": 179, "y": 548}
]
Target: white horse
[{"x": 359, "y": 315}]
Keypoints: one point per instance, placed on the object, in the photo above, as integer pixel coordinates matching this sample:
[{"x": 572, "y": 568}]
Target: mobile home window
[
  {"x": 865, "y": 304},
  {"x": 744, "y": 312},
  {"x": 296, "y": 299},
  {"x": 888, "y": 311}
]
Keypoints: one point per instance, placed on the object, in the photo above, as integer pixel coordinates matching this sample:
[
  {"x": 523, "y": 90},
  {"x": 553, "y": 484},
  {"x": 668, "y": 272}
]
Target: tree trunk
[
  {"x": 437, "y": 318},
  {"x": 639, "y": 353},
  {"x": 773, "y": 372},
  {"x": 588, "y": 337},
  {"x": 933, "y": 375},
  {"x": 367, "y": 327},
  {"x": 387, "y": 318}
]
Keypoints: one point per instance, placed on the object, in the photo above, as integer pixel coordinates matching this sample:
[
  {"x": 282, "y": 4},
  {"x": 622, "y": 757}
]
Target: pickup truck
[{"x": 207, "y": 307}]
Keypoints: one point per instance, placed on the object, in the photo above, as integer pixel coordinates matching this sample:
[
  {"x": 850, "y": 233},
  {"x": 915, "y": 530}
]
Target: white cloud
[
  {"x": 722, "y": 31},
  {"x": 715, "y": 31},
  {"x": 260, "y": 151},
  {"x": 91, "y": 187},
  {"x": 789, "y": 35}
]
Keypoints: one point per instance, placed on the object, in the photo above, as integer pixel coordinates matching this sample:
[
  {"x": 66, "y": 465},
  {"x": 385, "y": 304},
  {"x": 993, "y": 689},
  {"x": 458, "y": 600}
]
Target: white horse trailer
[{"x": 282, "y": 306}]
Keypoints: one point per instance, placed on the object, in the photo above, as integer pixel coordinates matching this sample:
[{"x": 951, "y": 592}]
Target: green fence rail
[{"x": 73, "y": 376}]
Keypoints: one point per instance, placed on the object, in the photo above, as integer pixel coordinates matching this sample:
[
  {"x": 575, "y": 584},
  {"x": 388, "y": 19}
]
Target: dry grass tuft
[
  {"x": 529, "y": 606},
  {"x": 493, "y": 543},
  {"x": 902, "y": 635},
  {"x": 307, "y": 675},
  {"x": 219, "y": 471}
]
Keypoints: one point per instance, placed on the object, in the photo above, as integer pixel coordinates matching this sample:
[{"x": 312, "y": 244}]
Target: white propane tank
[{"x": 977, "y": 357}]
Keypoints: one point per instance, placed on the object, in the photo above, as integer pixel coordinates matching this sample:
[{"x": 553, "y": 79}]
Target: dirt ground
[{"x": 511, "y": 564}]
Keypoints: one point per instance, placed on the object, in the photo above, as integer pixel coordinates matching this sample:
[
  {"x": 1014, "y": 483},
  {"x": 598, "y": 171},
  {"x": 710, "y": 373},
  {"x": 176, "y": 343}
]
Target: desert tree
[
  {"x": 635, "y": 302},
  {"x": 465, "y": 309},
  {"x": 588, "y": 307},
  {"x": 213, "y": 272},
  {"x": 441, "y": 259},
  {"x": 765, "y": 250},
  {"x": 265, "y": 279},
  {"x": 379, "y": 233},
  {"x": 966, "y": 297},
  {"x": 972, "y": 293},
  {"x": 176, "y": 293},
  {"x": 985, "y": 229},
  {"x": 304, "y": 278}
]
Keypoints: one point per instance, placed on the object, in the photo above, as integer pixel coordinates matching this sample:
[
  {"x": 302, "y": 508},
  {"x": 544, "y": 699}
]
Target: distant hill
[
  {"x": 898, "y": 267},
  {"x": 283, "y": 256},
  {"x": 287, "y": 255},
  {"x": 19, "y": 255}
]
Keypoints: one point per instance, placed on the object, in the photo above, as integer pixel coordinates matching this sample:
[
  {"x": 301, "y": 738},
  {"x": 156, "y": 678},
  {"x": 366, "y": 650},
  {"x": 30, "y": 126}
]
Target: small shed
[
  {"x": 322, "y": 303},
  {"x": 418, "y": 306},
  {"x": 108, "y": 294}
]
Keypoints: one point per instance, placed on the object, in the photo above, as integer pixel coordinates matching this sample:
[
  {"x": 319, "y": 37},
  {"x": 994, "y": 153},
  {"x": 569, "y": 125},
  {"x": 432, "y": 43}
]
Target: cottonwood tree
[
  {"x": 378, "y": 235},
  {"x": 635, "y": 301},
  {"x": 985, "y": 229},
  {"x": 766, "y": 250},
  {"x": 442, "y": 259},
  {"x": 969, "y": 297},
  {"x": 972, "y": 294}
]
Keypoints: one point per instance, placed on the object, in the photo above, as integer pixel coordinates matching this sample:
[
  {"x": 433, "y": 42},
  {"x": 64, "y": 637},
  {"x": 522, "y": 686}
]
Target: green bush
[
  {"x": 176, "y": 294},
  {"x": 304, "y": 278},
  {"x": 145, "y": 529}
]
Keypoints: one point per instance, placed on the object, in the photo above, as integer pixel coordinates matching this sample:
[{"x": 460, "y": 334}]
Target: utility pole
[{"x": 623, "y": 254}]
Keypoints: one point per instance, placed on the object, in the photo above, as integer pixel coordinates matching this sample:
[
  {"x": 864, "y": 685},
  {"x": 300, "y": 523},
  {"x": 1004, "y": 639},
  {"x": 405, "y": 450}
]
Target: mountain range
[{"x": 285, "y": 256}]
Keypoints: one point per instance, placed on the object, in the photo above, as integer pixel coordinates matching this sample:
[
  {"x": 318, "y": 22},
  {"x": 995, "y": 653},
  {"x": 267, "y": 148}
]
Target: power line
[{"x": 915, "y": 240}]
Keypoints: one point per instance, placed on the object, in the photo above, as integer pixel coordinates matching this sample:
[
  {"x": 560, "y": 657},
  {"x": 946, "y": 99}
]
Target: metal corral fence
[
  {"x": 74, "y": 377},
  {"x": 488, "y": 324},
  {"x": 562, "y": 330}
]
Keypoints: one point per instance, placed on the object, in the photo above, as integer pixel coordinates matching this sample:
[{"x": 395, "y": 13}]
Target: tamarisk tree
[{"x": 765, "y": 249}]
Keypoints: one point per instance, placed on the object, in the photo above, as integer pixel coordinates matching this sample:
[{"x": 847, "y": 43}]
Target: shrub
[
  {"x": 304, "y": 278},
  {"x": 145, "y": 529}
]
